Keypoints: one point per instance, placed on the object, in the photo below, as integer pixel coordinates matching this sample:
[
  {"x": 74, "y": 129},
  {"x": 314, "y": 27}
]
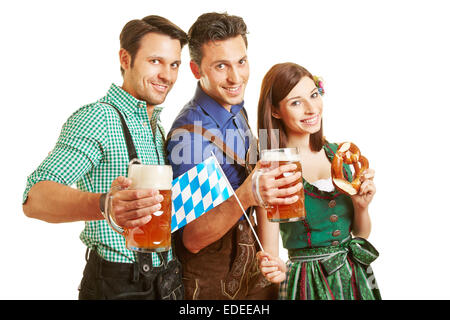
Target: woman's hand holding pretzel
[{"x": 362, "y": 199}]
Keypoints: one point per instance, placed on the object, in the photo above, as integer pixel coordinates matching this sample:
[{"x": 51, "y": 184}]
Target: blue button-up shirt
[{"x": 187, "y": 149}]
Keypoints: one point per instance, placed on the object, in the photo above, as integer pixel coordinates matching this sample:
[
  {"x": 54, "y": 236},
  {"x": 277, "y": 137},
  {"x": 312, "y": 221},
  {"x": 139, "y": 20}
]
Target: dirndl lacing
[{"x": 334, "y": 272}]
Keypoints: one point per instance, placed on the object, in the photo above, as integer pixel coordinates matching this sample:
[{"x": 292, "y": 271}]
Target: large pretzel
[{"x": 348, "y": 153}]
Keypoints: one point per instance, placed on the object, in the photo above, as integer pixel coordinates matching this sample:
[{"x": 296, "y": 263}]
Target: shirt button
[
  {"x": 335, "y": 243},
  {"x": 336, "y": 233},
  {"x": 146, "y": 267},
  {"x": 334, "y": 218},
  {"x": 144, "y": 124},
  {"x": 332, "y": 204}
]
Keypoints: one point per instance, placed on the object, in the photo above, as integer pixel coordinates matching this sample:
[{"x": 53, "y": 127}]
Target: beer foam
[
  {"x": 150, "y": 176},
  {"x": 279, "y": 156}
]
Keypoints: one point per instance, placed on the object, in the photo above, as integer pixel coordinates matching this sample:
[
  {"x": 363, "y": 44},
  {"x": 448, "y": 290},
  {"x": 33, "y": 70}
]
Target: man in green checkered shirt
[{"x": 91, "y": 152}]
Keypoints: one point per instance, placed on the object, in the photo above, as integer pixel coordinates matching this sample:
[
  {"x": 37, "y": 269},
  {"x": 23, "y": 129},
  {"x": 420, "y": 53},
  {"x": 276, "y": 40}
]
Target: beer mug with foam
[
  {"x": 155, "y": 236},
  {"x": 275, "y": 158}
]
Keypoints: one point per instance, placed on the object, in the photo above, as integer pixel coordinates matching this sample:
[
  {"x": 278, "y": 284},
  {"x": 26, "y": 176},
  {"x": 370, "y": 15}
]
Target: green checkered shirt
[{"x": 91, "y": 152}]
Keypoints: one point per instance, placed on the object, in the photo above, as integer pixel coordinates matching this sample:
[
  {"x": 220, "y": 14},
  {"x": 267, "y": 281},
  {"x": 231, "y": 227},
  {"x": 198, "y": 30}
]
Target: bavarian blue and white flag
[{"x": 197, "y": 191}]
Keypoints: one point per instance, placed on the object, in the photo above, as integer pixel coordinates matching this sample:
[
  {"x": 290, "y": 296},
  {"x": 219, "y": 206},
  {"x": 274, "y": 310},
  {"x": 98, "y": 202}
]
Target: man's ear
[
  {"x": 195, "y": 70},
  {"x": 125, "y": 59}
]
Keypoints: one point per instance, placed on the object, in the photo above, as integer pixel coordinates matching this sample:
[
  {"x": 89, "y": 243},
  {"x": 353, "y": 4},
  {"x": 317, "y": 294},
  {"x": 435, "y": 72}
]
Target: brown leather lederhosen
[{"x": 226, "y": 269}]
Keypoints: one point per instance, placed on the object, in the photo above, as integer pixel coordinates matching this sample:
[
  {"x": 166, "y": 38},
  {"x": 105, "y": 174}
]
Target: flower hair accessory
[{"x": 319, "y": 84}]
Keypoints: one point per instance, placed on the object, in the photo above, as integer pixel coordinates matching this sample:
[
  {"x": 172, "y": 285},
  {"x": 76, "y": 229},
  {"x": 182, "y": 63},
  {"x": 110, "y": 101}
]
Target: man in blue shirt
[{"x": 218, "y": 249}]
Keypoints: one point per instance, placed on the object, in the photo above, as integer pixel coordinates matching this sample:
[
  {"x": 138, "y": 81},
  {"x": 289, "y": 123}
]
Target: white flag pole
[{"x": 237, "y": 199}]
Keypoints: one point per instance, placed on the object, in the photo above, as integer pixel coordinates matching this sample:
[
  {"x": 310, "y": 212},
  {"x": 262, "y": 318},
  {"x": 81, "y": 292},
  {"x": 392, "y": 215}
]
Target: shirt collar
[
  {"x": 127, "y": 103},
  {"x": 216, "y": 111}
]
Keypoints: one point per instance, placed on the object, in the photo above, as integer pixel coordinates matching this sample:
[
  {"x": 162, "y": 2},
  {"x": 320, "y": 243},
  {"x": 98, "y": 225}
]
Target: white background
[{"x": 385, "y": 65}]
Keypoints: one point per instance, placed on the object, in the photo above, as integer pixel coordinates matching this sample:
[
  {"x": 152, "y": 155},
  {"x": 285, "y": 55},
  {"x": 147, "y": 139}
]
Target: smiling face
[
  {"x": 224, "y": 70},
  {"x": 154, "y": 69},
  {"x": 301, "y": 109}
]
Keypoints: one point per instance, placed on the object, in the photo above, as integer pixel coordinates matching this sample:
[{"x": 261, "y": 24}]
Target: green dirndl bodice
[{"x": 324, "y": 261}]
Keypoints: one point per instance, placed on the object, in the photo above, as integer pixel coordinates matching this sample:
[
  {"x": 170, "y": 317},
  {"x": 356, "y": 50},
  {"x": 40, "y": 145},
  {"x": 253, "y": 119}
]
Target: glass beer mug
[
  {"x": 275, "y": 158},
  {"x": 155, "y": 236}
]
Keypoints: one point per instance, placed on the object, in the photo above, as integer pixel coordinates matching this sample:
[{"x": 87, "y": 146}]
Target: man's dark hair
[
  {"x": 135, "y": 30},
  {"x": 214, "y": 26}
]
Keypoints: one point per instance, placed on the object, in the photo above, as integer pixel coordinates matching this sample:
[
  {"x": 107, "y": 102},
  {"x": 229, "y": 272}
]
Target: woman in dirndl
[{"x": 329, "y": 256}]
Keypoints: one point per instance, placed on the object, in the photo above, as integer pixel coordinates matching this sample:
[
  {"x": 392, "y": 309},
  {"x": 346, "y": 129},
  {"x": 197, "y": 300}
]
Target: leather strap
[
  {"x": 132, "y": 154},
  {"x": 211, "y": 137},
  {"x": 215, "y": 139}
]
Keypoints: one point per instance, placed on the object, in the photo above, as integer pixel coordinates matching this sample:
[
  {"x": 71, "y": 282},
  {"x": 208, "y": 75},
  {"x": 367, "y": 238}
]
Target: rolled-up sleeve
[{"x": 79, "y": 147}]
